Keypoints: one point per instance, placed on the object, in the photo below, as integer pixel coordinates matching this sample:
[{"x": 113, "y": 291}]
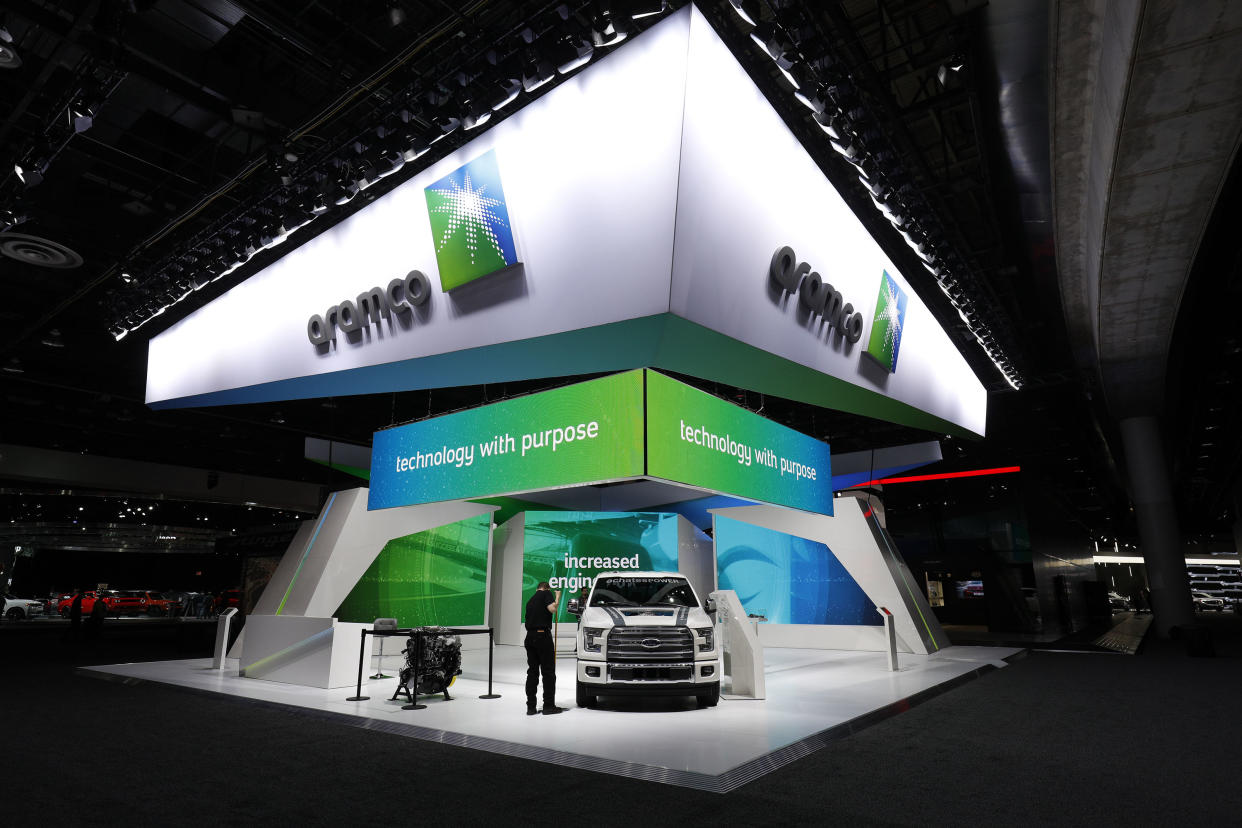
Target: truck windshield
[{"x": 642, "y": 592}]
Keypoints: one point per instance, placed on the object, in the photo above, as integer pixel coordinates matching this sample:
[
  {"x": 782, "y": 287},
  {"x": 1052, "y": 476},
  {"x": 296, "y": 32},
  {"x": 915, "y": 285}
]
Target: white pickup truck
[{"x": 646, "y": 633}]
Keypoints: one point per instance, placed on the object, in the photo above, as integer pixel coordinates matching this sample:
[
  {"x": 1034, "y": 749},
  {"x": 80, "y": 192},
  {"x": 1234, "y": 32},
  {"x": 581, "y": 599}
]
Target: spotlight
[
  {"x": 8, "y": 53},
  {"x": 82, "y": 112},
  {"x": 646, "y": 8},
  {"x": 813, "y": 96},
  {"x": 10, "y": 217},
  {"x": 415, "y": 145},
  {"x": 318, "y": 205},
  {"x": 390, "y": 160},
  {"x": 536, "y": 70},
  {"x": 608, "y": 28},
  {"x": 498, "y": 87},
  {"x": 832, "y": 123},
  {"x": 279, "y": 159},
  {"x": 445, "y": 123},
  {"x": 570, "y": 49},
  {"x": 773, "y": 40},
  {"x": 396, "y": 14},
  {"x": 345, "y": 189},
  {"x": 850, "y": 146},
  {"x": 955, "y": 64},
  {"x": 506, "y": 91},
  {"x": 30, "y": 170},
  {"x": 748, "y": 10},
  {"x": 269, "y": 236},
  {"x": 801, "y": 77},
  {"x": 477, "y": 114}
]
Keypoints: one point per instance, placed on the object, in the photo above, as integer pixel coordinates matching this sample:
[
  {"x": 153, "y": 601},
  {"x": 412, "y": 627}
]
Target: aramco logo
[
  {"x": 470, "y": 222},
  {"x": 890, "y": 319}
]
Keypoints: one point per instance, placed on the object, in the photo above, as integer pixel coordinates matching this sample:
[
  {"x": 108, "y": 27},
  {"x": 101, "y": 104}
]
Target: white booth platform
[{"x": 813, "y": 698}]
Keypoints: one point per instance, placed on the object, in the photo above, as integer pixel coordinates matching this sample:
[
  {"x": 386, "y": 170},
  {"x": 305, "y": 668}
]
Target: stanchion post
[
  {"x": 362, "y": 648},
  {"x": 490, "y": 645},
  {"x": 418, "y": 663}
]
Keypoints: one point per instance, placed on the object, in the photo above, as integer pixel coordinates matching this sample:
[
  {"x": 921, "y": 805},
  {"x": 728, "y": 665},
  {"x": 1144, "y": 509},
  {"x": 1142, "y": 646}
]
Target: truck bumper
[{"x": 701, "y": 676}]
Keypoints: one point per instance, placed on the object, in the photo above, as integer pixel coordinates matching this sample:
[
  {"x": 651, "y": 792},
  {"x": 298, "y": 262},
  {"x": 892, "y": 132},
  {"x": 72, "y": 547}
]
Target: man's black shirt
[{"x": 537, "y": 615}]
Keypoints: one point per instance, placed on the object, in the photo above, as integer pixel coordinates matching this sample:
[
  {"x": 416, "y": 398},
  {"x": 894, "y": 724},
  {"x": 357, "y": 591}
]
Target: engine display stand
[{"x": 418, "y": 633}]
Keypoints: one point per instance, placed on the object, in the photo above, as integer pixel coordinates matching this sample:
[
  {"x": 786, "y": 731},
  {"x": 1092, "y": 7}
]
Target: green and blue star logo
[
  {"x": 470, "y": 222},
  {"x": 890, "y": 320}
]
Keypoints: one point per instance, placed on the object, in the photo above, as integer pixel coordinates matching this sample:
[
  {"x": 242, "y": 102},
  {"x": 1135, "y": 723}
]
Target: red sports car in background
[{"x": 88, "y": 602}]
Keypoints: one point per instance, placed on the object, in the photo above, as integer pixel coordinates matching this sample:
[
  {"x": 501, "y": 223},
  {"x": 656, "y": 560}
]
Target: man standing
[{"x": 540, "y": 650}]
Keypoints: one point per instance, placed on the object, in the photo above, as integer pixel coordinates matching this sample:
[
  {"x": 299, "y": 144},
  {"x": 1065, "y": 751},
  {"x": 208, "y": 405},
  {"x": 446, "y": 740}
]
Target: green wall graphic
[
  {"x": 434, "y": 577},
  {"x": 568, "y": 549}
]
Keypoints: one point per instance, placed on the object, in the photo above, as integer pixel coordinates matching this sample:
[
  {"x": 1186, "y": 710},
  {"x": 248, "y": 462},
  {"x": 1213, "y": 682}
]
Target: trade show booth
[{"x": 705, "y": 242}]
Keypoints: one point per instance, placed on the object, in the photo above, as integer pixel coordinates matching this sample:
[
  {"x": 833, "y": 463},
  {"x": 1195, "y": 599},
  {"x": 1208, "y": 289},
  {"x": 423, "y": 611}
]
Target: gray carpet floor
[{"x": 1054, "y": 739}]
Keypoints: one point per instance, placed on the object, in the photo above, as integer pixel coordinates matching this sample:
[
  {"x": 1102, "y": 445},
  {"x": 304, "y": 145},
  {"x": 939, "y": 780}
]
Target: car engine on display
[
  {"x": 646, "y": 633},
  {"x": 437, "y": 665}
]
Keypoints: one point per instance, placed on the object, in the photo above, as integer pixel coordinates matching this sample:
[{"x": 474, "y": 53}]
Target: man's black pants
[{"x": 540, "y": 658}]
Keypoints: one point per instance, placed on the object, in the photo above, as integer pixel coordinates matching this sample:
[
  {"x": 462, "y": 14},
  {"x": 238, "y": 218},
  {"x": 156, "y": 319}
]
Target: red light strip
[{"x": 918, "y": 478}]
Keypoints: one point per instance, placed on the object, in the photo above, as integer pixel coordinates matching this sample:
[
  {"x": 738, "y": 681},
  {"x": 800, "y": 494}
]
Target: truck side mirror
[
  {"x": 575, "y": 607},
  {"x": 709, "y": 605}
]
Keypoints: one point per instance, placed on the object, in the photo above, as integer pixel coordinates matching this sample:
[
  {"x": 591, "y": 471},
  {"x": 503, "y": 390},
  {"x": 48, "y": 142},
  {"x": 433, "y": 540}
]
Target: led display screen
[
  {"x": 700, "y": 440},
  {"x": 584, "y": 433},
  {"x": 787, "y": 579},
  {"x": 568, "y": 549},
  {"x": 435, "y": 577}
]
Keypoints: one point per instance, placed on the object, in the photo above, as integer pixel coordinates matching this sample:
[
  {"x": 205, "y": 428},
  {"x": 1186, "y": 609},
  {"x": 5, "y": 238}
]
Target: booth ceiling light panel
[
  {"x": 638, "y": 424},
  {"x": 713, "y": 247}
]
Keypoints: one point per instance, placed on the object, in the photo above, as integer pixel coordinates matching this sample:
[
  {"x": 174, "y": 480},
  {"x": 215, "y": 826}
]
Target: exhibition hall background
[{"x": 142, "y": 183}]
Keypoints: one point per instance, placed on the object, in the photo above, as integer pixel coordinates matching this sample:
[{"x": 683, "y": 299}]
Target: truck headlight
[
  {"x": 592, "y": 639},
  {"x": 704, "y": 635}
]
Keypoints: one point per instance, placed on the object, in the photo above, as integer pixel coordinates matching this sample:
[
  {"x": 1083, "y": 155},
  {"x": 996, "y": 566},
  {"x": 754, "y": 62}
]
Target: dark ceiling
[{"x": 200, "y": 107}]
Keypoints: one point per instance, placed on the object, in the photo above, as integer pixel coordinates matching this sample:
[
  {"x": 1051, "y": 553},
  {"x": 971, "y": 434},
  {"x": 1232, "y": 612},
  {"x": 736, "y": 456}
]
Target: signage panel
[
  {"x": 585, "y": 433},
  {"x": 747, "y": 188},
  {"x": 589, "y": 175},
  {"x": 703, "y": 441},
  {"x": 455, "y": 278}
]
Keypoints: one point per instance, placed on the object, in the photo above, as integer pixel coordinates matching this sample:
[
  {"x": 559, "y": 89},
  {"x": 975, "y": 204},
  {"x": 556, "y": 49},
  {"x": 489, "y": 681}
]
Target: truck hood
[{"x": 645, "y": 617}]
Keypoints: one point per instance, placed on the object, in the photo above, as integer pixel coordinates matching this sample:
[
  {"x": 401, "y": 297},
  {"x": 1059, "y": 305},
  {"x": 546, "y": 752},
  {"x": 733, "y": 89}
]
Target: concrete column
[{"x": 1157, "y": 523}]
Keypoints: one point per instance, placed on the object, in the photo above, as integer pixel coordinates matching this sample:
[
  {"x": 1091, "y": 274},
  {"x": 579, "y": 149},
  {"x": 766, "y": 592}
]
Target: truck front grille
[
  {"x": 652, "y": 672},
  {"x": 650, "y": 644}
]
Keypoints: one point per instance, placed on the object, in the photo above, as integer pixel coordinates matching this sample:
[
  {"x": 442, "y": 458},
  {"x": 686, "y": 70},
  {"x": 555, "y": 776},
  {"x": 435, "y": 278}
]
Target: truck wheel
[
  {"x": 711, "y": 698},
  {"x": 585, "y": 699}
]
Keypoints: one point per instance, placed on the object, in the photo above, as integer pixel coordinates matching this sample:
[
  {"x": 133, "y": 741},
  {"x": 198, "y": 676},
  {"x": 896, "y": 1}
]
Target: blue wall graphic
[{"x": 787, "y": 579}]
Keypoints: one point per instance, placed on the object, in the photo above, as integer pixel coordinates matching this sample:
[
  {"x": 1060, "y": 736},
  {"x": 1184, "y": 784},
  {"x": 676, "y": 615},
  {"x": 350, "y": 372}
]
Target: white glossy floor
[{"x": 814, "y": 696}]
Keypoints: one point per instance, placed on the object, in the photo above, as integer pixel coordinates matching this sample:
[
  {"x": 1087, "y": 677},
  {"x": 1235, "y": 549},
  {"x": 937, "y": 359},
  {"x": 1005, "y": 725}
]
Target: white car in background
[
  {"x": 1204, "y": 601},
  {"x": 19, "y": 609}
]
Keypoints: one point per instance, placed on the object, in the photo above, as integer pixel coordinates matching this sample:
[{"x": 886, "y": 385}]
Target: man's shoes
[
  {"x": 553, "y": 710},
  {"x": 531, "y": 710}
]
